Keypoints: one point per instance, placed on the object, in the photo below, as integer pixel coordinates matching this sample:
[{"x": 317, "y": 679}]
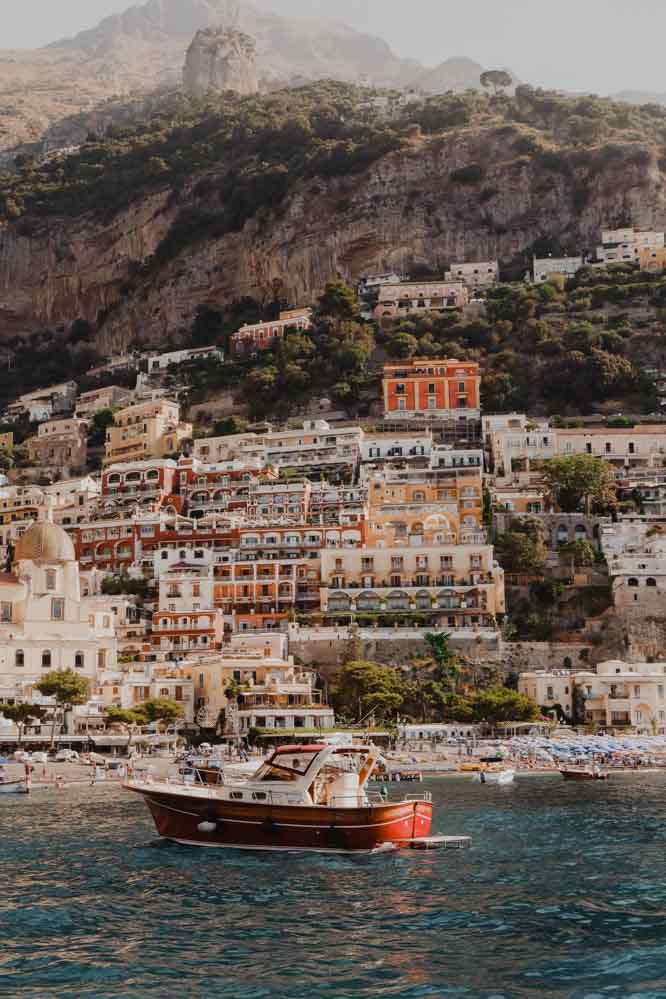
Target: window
[
  {"x": 19, "y": 658},
  {"x": 6, "y": 612},
  {"x": 50, "y": 579},
  {"x": 46, "y": 659},
  {"x": 58, "y": 609},
  {"x": 79, "y": 660},
  {"x": 101, "y": 658}
]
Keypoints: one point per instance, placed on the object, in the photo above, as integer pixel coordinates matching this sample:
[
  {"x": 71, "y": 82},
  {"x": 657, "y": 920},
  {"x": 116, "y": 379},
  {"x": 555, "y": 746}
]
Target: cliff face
[
  {"x": 221, "y": 59},
  {"x": 406, "y": 210}
]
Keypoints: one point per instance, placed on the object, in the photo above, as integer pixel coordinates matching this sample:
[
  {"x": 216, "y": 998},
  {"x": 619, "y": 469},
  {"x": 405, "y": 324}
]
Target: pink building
[{"x": 250, "y": 339}]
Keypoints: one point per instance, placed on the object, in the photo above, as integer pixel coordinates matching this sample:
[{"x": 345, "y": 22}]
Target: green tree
[
  {"x": 498, "y": 79},
  {"x": 365, "y": 687},
  {"x": 132, "y": 718},
  {"x": 523, "y": 548},
  {"x": 163, "y": 710},
  {"x": 339, "y": 301},
  {"x": 579, "y": 481},
  {"x": 447, "y": 670},
  {"x": 67, "y": 688},
  {"x": 22, "y": 715},
  {"x": 499, "y": 704}
]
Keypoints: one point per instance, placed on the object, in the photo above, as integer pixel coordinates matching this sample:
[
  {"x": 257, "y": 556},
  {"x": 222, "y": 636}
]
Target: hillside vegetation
[
  {"x": 311, "y": 167},
  {"x": 253, "y": 149}
]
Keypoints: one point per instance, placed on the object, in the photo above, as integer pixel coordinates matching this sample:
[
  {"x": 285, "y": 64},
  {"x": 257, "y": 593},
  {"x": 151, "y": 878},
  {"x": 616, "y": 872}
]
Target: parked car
[
  {"x": 40, "y": 758},
  {"x": 21, "y": 756},
  {"x": 66, "y": 756}
]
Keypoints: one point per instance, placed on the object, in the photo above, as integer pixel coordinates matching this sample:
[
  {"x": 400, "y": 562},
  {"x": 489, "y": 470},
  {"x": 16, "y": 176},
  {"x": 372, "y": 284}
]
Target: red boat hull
[{"x": 179, "y": 817}]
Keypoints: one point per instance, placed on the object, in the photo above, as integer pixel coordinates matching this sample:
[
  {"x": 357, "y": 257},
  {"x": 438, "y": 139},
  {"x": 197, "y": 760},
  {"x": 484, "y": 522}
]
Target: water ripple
[{"x": 562, "y": 895}]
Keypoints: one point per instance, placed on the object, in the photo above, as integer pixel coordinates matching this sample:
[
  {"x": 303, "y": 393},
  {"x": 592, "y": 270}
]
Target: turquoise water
[{"x": 563, "y": 894}]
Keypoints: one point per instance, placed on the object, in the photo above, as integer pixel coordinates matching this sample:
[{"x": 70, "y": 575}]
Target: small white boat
[
  {"x": 14, "y": 787},
  {"x": 497, "y": 776}
]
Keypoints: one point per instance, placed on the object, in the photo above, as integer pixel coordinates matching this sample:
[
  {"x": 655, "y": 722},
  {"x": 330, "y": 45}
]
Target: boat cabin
[{"x": 329, "y": 776}]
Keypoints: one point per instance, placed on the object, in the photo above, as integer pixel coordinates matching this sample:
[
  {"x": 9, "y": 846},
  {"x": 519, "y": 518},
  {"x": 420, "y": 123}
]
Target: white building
[
  {"x": 542, "y": 269},
  {"x": 45, "y": 623},
  {"x": 618, "y": 695},
  {"x": 387, "y": 446},
  {"x": 625, "y": 245}
]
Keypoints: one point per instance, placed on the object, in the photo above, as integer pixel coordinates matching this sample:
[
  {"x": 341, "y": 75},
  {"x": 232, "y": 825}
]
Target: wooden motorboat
[
  {"x": 584, "y": 773},
  {"x": 19, "y": 786},
  {"x": 302, "y": 798}
]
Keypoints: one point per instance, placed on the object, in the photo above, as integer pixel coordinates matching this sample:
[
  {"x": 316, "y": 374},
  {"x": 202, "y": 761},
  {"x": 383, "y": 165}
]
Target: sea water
[{"x": 562, "y": 894}]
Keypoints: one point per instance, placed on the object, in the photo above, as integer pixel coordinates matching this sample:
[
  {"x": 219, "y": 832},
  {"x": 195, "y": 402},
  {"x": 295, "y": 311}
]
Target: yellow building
[
  {"x": 270, "y": 690},
  {"x": 147, "y": 430},
  {"x": 652, "y": 259}
]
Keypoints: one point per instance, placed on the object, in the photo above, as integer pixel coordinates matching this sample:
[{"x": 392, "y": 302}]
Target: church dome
[{"x": 45, "y": 542}]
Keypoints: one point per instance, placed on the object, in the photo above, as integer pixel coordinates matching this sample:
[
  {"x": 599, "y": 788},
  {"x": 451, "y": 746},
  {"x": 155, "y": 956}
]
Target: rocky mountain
[
  {"x": 220, "y": 60},
  {"x": 138, "y": 244},
  {"x": 286, "y": 47},
  {"x": 134, "y": 53}
]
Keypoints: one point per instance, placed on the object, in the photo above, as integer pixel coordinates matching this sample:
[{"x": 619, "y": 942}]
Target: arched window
[
  {"x": 632, "y": 582},
  {"x": 46, "y": 659},
  {"x": 164, "y": 554},
  {"x": 19, "y": 658},
  {"x": 79, "y": 660},
  {"x": 164, "y": 692},
  {"x": 650, "y": 582}
]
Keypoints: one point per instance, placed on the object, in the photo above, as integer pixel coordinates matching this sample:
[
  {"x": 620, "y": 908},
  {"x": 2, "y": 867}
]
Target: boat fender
[{"x": 206, "y": 827}]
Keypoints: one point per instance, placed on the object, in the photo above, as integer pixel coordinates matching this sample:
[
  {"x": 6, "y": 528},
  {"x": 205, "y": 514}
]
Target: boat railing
[{"x": 380, "y": 798}]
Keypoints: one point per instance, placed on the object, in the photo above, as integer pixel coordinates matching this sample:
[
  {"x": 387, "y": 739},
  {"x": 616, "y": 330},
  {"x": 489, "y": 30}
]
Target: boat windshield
[{"x": 286, "y": 767}]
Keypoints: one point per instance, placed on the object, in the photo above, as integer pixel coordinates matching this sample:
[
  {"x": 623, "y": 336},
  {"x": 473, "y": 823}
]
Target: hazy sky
[{"x": 600, "y": 45}]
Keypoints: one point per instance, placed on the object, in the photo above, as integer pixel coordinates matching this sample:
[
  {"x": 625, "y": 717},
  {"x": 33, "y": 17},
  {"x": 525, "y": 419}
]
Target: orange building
[{"x": 434, "y": 385}]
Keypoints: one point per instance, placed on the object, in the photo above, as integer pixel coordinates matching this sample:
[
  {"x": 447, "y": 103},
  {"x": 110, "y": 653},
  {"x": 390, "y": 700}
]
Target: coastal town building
[
  {"x": 652, "y": 259},
  {"x": 254, "y": 684},
  {"x": 89, "y": 403},
  {"x": 251, "y": 339},
  {"x": 543, "y": 269},
  {"x": 625, "y": 245},
  {"x": 147, "y": 430},
  {"x": 641, "y": 446},
  {"x": 186, "y": 619},
  {"x": 475, "y": 275},
  {"x": 412, "y": 297},
  {"x": 432, "y": 386},
  {"x": 157, "y": 363},
  {"x": 618, "y": 695},
  {"x": 413, "y": 447},
  {"x": 43, "y": 404},
  {"x": 515, "y": 442},
  {"x": 60, "y": 445},
  {"x": 45, "y": 622}
]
